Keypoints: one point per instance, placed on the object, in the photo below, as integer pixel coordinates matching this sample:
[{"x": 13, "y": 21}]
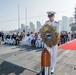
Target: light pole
[
  {"x": 26, "y": 18},
  {"x": 18, "y": 18}
]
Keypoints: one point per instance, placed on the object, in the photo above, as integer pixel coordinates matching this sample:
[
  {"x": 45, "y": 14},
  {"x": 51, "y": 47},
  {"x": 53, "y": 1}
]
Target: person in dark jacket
[
  {"x": 8, "y": 36},
  {"x": 13, "y": 38},
  {"x": 0, "y": 37},
  {"x": 28, "y": 34},
  {"x": 7, "y": 39},
  {"x": 17, "y": 38}
]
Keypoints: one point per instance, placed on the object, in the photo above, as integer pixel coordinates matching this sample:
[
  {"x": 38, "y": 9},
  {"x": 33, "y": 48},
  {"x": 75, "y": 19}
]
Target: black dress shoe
[{"x": 52, "y": 73}]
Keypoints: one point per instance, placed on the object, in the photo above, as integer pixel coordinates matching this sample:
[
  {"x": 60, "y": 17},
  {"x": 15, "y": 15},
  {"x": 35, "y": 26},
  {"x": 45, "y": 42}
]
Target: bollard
[{"x": 45, "y": 62}]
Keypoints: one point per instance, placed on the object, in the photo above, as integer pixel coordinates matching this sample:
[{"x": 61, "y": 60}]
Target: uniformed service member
[{"x": 53, "y": 51}]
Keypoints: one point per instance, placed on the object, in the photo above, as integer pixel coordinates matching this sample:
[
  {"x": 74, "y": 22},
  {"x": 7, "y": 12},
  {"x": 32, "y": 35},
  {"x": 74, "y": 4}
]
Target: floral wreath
[{"x": 49, "y": 35}]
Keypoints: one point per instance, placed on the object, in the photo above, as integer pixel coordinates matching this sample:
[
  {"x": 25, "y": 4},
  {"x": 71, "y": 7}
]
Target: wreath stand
[{"x": 45, "y": 62}]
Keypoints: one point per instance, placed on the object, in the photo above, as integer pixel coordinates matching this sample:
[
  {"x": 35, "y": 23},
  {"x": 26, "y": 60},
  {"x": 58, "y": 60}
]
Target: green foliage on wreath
[{"x": 54, "y": 39}]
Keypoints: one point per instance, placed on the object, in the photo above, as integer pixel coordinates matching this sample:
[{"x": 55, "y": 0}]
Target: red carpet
[{"x": 69, "y": 46}]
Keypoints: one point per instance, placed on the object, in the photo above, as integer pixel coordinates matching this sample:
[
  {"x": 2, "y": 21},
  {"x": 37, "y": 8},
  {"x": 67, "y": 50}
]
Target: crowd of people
[
  {"x": 67, "y": 36},
  {"x": 33, "y": 39},
  {"x": 14, "y": 39},
  {"x": 30, "y": 39}
]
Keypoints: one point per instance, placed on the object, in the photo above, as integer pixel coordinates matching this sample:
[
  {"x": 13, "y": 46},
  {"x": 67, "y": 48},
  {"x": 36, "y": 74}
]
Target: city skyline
[
  {"x": 36, "y": 11},
  {"x": 64, "y": 25},
  {"x": 66, "y": 21}
]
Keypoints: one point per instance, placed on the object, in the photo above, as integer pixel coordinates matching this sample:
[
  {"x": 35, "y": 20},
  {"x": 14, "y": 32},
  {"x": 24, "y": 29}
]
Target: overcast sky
[{"x": 35, "y": 10}]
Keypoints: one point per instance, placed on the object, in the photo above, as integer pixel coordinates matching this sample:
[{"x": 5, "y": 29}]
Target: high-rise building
[
  {"x": 26, "y": 29},
  {"x": 65, "y": 23},
  {"x": 22, "y": 27},
  {"x": 60, "y": 23},
  {"x": 70, "y": 22},
  {"x": 38, "y": 26},
  {"x": 73, "y": 24},
  {"x": 32, "y": 27}
]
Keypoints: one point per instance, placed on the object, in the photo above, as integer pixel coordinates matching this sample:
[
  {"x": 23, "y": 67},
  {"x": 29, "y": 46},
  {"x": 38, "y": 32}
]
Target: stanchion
[{"x": 45, "y": 62}]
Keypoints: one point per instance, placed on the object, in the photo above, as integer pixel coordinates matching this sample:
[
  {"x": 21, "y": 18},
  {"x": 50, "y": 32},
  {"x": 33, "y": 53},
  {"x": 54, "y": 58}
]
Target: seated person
[
  {"x": 17, "y": 38},
  {"x": 39, "y": 42},
  {"x": 33, "y": 41},
  {"x": 22, "y": 36},
  {"x": 28, "y": 34},
  {"x": 13, "y": 38},
  {"x": 7, "y": 39},
  {"x": 30, "y": 38}
]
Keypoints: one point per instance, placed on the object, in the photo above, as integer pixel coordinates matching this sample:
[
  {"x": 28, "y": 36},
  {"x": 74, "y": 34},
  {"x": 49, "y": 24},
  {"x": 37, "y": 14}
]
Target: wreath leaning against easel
[{"x": 49, "y": 35}]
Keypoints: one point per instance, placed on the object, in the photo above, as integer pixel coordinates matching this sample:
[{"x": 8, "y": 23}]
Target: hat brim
[{"x": 51, "y": 15}]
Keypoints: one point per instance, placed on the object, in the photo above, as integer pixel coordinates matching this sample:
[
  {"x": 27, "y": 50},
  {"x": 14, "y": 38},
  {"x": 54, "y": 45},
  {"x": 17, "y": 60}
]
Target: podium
[{"x": 45, "y": 62}]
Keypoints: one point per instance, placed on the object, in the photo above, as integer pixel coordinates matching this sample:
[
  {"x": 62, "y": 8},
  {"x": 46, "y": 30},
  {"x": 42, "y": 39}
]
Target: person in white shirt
[
  {"x": 30, "y": 38},
  {"x": 39, "y": 42},
  {"x": 53, "y": 50},
  {"x": 69, "y": 36}
]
